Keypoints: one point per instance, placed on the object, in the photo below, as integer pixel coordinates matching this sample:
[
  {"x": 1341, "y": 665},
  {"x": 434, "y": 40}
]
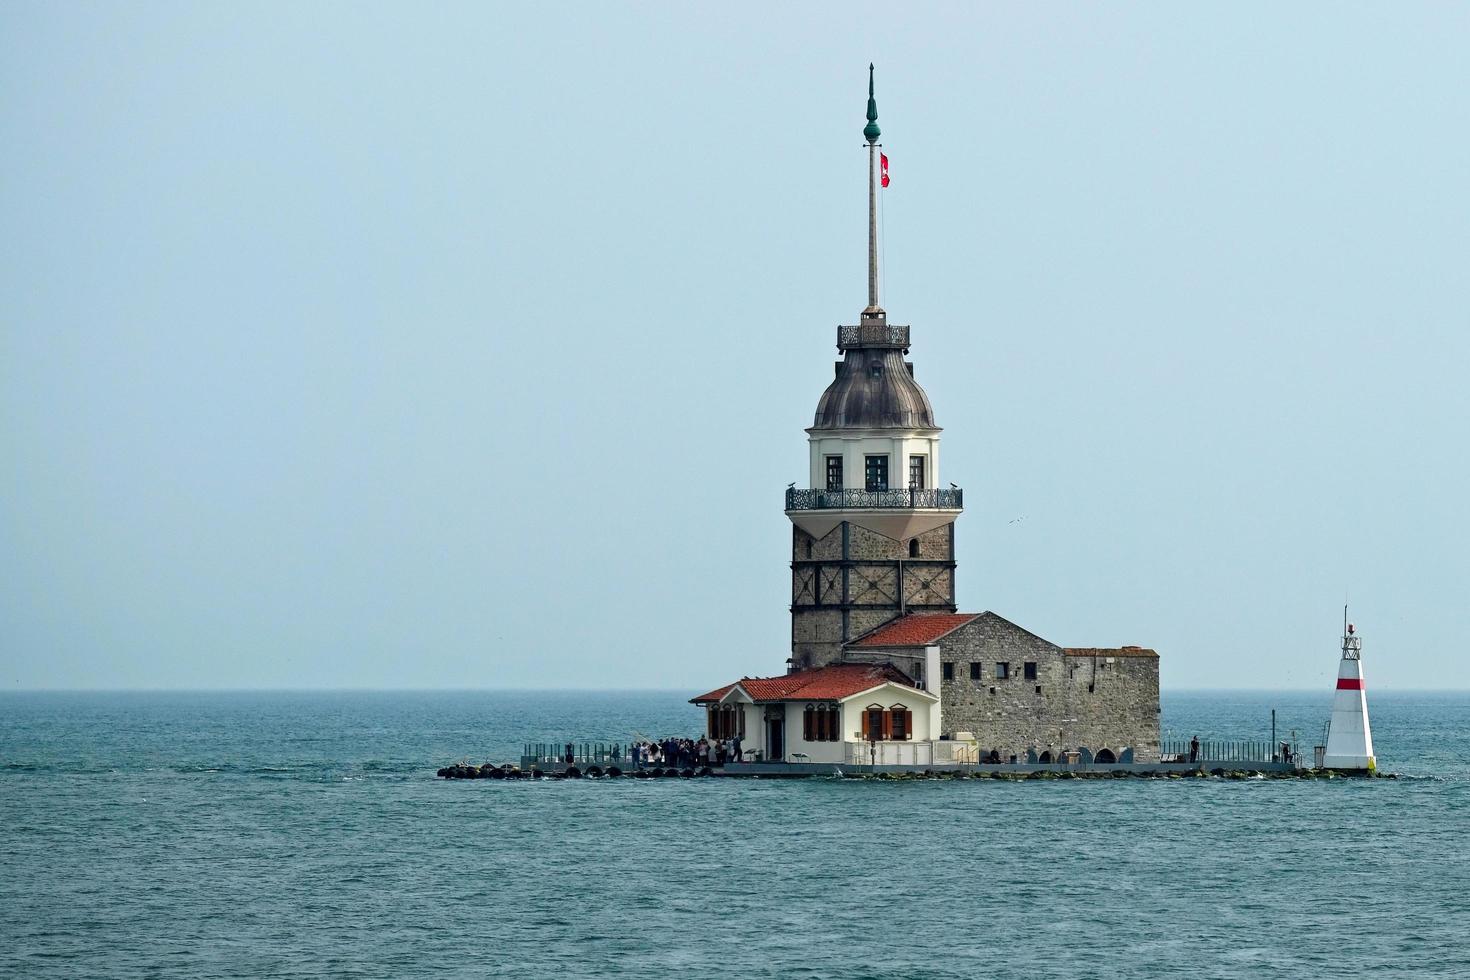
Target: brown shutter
[
  {"x": 887, "y": 724},
  {"x": 866, "y": 734},
  {"x": 808, "y": 723},
  {"x": 714, "y": 722},
  {"x": 740, "y": 716}
]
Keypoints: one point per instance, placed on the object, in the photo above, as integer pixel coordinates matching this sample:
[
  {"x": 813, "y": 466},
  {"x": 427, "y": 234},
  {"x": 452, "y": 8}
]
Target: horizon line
[{"x": 626, "y": 690}]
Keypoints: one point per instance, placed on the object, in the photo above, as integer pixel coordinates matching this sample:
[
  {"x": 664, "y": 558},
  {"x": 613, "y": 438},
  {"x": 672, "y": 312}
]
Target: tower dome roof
[{"x": 874, "y": 389}]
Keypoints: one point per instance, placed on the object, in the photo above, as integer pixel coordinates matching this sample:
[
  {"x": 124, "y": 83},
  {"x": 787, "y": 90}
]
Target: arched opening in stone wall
[
  {"x": 1045, "y": 757},
  {"x": 1105, "y": 756}
]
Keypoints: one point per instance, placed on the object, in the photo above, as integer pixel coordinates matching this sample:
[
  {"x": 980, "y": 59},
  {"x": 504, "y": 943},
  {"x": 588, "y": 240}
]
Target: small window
[
  {"x": 948, "y": 670},
  {"x": 1002, "y": 671},
  {"x": 877, "y": 473},
  {"x": 916, "y": 472},
  {"x": 899, "y": 725},
  {"x": 1030, "y": 670},
  {"x": 992, "y": 690},
  {"x": 975, "y": 673},
  {"x": 873, "y": 722},
  {"x": 1091, "y": 688},
  {"x": 834, "y": 472},
  {"x": 1038, "y": 688},
  {"x": 914, "y": 548},
  {"x": 875, "y": 371}
]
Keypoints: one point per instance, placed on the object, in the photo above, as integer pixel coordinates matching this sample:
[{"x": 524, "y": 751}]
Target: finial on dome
[{"x": 871, "y": 130}]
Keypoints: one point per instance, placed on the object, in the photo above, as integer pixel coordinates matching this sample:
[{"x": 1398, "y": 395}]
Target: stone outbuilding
[{"x": 1020, "y": 695}]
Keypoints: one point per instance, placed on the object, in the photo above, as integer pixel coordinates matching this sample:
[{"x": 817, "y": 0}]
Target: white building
[{"x": 853, "y": 714}]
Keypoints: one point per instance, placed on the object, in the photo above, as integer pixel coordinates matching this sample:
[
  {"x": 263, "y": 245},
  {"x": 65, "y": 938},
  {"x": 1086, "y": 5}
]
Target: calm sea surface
[{"x": 305, "y": 835}]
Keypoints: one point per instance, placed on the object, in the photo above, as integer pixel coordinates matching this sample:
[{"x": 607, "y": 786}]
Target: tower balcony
[
  {"x": 897, "y": 514},
  {"x": 914, "y": 499},
  {"x": 873, "y": 334}
]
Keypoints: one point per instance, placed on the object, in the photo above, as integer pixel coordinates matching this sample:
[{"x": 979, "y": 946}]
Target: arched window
[
  {"x": 899, "y": 728},
  {"x": 714, "y": 721},
  {"x": 914, "y": 548},
  {"x": 834, "y": 723},
  {"x": 809, "y": 723}
]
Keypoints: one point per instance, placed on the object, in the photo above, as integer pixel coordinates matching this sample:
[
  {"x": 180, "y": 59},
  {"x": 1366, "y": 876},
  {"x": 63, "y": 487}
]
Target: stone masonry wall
[
  {"x": 871, "y": 562},
  {"x": 1082, "y": 702}
]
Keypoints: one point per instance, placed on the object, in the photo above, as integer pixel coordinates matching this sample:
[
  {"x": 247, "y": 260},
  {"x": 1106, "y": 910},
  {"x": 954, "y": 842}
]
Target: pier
[{"x": 577, "y": 760}]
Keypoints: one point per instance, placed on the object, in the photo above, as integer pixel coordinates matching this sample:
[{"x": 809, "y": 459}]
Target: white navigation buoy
[{"x": 1349, "y": 739}]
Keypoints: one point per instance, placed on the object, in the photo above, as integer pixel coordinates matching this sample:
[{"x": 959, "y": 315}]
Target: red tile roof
[
  {"x": 1108, "y": 652},
  {"x": 829, "y": 683},
  {"x": 918, "y": 630}
]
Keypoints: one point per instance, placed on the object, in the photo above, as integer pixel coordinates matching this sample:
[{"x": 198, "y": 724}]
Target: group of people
[{"x": 685, "y": 753}]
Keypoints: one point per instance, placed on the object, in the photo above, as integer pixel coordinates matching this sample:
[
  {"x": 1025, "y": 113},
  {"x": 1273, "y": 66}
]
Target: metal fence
[
  {"x": 873, "y": 499},
  {"x": 872, "y": 335},
  {"x": 583, "y": 753},
  {"x": 1179, "y": 750}
]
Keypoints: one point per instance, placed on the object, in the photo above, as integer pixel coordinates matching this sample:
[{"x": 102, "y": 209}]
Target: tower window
[
  {"x": 875, "y": 371},
  {"x": 1030, "y": 670},
  {"x": 834, "y": 472},
  {"x": 877, "y": 473},
  {"x": 975, "y": 673},
  {"x": 1002, "y": 671},
  {"x": 914, "y": 548},
  {"x": 916, "y": 472}
]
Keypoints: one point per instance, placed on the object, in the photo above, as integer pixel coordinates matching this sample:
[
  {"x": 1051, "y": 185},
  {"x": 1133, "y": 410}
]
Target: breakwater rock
[{"x": 506, "y": 770}]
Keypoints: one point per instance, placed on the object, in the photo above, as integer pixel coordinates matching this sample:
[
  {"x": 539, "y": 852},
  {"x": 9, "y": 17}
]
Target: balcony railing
[
  {"x": 873, "y": 335},
  {"x": 872, "y": 499}
]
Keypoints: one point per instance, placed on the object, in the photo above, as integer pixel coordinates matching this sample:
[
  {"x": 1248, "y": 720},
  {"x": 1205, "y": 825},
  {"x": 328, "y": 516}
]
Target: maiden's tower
[{"x": 882, "y": 662}]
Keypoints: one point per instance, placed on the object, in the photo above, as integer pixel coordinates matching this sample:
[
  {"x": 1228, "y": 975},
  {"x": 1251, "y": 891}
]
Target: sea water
[{"x": 305, "y": 835}]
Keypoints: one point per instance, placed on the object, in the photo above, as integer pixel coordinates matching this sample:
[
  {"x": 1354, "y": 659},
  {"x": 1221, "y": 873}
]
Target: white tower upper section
[{"x": 874, "y": 445}]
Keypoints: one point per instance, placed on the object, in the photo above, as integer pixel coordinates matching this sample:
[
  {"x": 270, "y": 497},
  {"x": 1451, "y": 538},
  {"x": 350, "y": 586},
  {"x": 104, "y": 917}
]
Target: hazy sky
[{"x": 457, "y": 345}]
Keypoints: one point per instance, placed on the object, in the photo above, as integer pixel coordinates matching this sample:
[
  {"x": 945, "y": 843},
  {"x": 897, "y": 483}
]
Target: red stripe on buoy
[{"x": 1350, "y": 683}]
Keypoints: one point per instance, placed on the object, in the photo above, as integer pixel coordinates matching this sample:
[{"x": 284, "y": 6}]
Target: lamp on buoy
[{"x": 1349, "y": 738}]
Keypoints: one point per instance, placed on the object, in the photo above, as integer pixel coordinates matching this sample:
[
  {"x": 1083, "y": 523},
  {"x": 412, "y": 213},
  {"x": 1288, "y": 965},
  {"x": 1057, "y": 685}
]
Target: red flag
[{"x": 884, "y": 158}]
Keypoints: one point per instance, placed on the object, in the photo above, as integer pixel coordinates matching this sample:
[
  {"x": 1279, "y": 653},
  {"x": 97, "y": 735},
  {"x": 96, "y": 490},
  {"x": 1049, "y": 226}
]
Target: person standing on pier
[{"x": 1194, "y": 749}]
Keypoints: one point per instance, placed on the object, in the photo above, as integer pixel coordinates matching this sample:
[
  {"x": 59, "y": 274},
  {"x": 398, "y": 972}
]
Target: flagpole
[
  {"x": 872, "y": 232},
  {"x": 871, "y": 132}
]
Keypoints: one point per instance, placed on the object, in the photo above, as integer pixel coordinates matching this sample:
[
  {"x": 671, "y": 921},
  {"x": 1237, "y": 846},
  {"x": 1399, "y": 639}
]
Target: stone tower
[{"x": 873, "y": 534}]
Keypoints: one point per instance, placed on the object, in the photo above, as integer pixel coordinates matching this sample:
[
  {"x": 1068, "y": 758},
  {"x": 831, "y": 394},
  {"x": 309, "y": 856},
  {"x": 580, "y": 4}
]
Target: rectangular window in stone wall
[
  {"x": 948, "y": 671},
  {"x": 1002, "y": 671},
  {"x": 1030, "y": 669},
  {"x": 975, "y": 670}
]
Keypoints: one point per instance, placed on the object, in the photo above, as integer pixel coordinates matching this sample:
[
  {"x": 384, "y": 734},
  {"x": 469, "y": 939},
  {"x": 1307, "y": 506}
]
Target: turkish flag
[{"x": 884, "y": 158}]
